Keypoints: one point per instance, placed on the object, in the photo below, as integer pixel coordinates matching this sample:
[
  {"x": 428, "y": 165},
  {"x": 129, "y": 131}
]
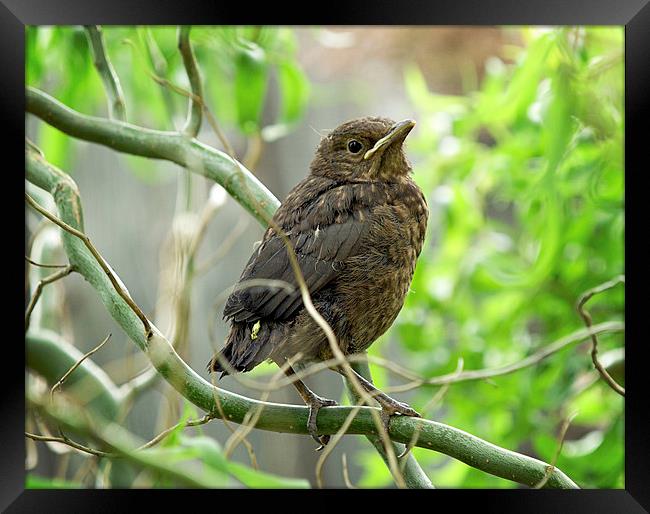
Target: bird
[{"x": 356, "y": 225}]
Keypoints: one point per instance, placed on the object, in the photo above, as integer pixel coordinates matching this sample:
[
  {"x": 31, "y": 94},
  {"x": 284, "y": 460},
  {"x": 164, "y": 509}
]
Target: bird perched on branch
[{"x": 356, "y": 224}]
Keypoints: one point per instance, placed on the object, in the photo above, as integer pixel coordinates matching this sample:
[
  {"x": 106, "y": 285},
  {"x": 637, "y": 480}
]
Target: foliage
[
  {"x": 237, "y": 65},
  {"x": 39, "y": 482},
  {"x": 524, "y": 179}
]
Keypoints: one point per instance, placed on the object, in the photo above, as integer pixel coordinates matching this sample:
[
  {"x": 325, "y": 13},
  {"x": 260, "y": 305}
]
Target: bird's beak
[{"x": 397, "y": 132}]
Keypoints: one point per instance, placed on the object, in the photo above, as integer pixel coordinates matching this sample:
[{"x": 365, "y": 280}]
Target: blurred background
[{"x": 518, "y": 148}]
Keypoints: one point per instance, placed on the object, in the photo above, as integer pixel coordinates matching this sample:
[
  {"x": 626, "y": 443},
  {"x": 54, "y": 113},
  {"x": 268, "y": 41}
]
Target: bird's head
[{"x": 364, "y": 149}]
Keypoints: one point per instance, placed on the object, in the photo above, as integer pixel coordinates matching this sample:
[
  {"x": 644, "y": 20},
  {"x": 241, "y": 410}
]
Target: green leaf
[
  {"x": 260, "y": 479},
  {"x": 558, "y": 127},
  {"x": 294, "y": 90},
  {"x": 34, "y": 66},
  {"x": 56, "y": 147},
  {"x": 174, "y": 437},
  {"x": 210, "y": 454},
  {"x": 523, "y": 86},
  {"x": 150, "y": 171},
  {"x": 251, "y": 79},
  {"x": 294, "y": 96},
  {"x": 39, "y": 482}
]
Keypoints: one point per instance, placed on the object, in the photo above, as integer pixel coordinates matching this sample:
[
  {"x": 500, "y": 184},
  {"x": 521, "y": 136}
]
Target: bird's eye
[{"x": 354, "y": 146}]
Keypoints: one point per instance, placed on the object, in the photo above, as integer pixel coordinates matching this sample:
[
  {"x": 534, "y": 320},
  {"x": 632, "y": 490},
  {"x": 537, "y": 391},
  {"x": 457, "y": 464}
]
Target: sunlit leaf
[
  {"x": 211, "y": 455},
  {"x": 40, "y": 482},
  {"x": 251, "y": 79}
]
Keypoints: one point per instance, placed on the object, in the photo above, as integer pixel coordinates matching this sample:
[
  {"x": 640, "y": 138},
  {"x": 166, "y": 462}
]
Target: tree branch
[
  {"x": 193, "y": 122},
  {"x": 276, "y": 417},
  {"x": 240, "y": 183},
  {"x": 116, "y": 104}
]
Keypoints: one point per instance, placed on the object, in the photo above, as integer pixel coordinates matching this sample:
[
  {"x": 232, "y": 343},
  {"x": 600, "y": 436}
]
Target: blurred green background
[{"x": 519, "y": 150}]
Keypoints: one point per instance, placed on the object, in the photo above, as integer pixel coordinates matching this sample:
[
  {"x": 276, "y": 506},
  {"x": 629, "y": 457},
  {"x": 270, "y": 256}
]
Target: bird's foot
[
  {"x": 315, "y": 405},
  {"x": 390, "y": 407}
]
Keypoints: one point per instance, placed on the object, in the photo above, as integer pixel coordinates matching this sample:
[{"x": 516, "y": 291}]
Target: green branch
[
  {"x": 275, "y": 417},
  {"x": 116, "y": 104},
  {"x": 194, "y": 115},
  {"x": 240, "y": 183}
]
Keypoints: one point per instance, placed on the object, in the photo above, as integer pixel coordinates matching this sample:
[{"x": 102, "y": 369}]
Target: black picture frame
[{"x": 633, "y": 14}]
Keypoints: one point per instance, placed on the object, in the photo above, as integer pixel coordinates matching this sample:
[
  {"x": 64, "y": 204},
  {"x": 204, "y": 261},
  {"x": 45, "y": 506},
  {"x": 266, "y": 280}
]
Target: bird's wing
[{"x": 322, "y": 243}]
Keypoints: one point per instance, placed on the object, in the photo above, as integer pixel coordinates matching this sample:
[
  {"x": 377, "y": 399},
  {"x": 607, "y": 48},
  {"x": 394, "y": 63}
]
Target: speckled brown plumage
[{"x": 357, "y": 224}]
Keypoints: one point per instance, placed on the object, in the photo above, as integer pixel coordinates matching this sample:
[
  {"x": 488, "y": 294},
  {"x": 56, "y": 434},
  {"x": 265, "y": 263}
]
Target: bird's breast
[{"x": 377, "y": 280}]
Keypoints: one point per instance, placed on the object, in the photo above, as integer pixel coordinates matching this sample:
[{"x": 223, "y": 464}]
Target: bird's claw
[
  {"x": 322, "y": 441},
  {"x": 395, "y": 407},
  {"x": 314, "y": 407}
]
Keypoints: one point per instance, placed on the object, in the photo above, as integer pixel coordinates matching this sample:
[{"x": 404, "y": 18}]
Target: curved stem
[
  {"x": 193, "y": 122},
  {"x": 240, "y": 183},
  {"x": 586, "y": 317},
  {"x": 116, "y": 104}
]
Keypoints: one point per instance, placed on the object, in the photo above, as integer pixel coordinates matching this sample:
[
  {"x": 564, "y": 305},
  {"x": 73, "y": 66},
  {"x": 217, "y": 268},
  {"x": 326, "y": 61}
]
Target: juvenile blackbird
[{"x": 357, "y": 225}]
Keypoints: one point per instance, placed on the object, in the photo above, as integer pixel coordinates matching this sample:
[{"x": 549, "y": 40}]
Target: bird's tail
[{"x": 247, "y": 345}]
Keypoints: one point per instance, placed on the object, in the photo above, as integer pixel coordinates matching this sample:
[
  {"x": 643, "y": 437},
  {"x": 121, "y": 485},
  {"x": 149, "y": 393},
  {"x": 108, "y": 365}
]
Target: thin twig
[
  {"x": 40, "y": 265},
  {"x": 39, "y": 289},
  {"x": 32, "y": 146},
  {"x": 543, "y": 353},
  {"x": 190, "y": 423},
  {"x": 550, "y": 469},
  {"x": 76, "y": 365},
  {"x": 255, "y": 144},
  {"x": 69, "y": 442},
  {"x": 584, "y": 298},
  {"x": 380, "y": 439},
  {"x": 211, "y": 119},
  {"x": 346, "y": 476},
  {"x": 100, "y": 260},
  {"x": 159, "y": 63},
  {"x": 334, "y": 441}
]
